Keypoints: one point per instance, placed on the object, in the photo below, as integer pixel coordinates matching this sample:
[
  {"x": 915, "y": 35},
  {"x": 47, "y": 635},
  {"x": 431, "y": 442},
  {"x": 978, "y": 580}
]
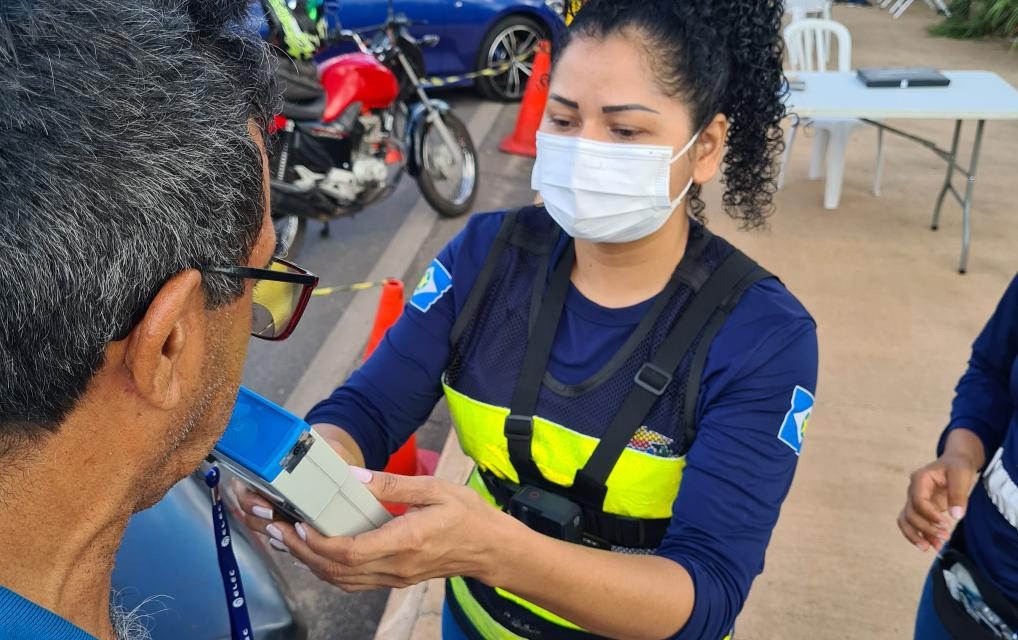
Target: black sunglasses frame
[{"x": 305, "y": 278}]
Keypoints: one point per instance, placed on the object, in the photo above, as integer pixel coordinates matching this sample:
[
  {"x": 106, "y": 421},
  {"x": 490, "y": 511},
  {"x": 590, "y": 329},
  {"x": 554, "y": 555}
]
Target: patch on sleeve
[
  {"x": 794, "y": 425},
  {"x": 435, "y": 282}
]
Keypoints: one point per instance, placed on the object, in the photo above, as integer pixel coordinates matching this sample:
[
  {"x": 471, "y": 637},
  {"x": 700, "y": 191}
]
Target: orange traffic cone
[
  {"x": 408, "y": 461},
  {"x": 390, "y": 307},
  {"x": 523, "y": 141}
]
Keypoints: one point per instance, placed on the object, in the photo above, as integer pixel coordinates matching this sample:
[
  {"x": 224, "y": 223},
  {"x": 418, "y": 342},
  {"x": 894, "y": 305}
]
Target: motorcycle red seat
[{"x": 304, "y": 111}]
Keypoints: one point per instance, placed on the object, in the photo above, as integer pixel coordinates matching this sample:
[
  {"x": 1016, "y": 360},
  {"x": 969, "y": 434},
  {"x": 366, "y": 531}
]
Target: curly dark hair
[{"x": 718, "y": 56}]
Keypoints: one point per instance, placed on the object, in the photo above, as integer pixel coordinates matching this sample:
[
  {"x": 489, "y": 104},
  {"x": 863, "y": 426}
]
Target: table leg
[
  {"x": 818, "y": 159},
  {"x": 950, "y": 175},
  {"x": 836, "y": 146},
  {"x": 969, "y": 188}
]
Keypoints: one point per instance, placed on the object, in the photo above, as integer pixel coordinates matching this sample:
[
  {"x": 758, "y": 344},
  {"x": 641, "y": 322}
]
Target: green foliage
[{"x": 978, "y": 18}]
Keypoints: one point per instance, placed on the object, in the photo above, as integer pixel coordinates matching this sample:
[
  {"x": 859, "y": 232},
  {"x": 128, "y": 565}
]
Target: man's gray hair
[{"x": 125, "y": 158}]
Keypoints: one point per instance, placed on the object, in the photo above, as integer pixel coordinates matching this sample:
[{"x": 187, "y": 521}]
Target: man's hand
[
  {"x": 940, "y": 491},
  {"x": 451, "y": 531}
]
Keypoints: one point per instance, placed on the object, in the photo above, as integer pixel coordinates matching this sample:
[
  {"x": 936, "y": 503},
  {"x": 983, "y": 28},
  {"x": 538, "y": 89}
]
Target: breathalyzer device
[{"x": 283, "y": 459}]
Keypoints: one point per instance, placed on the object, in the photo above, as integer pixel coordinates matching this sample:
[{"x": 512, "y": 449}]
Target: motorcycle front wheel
[{"x": 448, "y": 177}]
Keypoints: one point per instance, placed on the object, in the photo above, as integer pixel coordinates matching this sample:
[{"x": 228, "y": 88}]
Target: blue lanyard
[{"x": 240, "y": 622}]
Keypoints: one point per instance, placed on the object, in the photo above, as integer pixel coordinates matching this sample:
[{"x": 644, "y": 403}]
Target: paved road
[{"x": 396, "y": 238}]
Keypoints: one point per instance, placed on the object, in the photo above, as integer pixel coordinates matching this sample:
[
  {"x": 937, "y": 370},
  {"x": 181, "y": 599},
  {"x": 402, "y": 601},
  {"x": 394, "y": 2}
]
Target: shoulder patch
[
  {"x": 793, "y": 427},
  {"x": 434, "y": 284}
]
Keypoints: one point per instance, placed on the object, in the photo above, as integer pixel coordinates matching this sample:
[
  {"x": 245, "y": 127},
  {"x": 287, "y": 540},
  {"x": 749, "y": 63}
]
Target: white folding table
[{"x": 972, "y": 95}]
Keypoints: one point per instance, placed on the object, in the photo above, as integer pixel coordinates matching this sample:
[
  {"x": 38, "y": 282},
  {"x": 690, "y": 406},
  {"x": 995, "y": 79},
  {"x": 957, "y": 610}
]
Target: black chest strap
[
  {"x": 519, "y": 425},
  {"x": 707, "y": 310},
  {"x": 480, "y": 287}
]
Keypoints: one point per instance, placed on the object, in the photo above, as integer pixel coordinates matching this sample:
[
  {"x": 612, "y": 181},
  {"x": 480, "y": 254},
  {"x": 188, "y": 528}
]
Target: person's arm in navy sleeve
[
  {"x": 395, "y": 390},
  {"x": 982, "y": 402},
  {"x": 757, "y": 398}
]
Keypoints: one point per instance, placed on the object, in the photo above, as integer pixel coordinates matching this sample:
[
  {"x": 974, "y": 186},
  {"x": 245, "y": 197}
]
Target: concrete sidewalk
[{"x": 895, "y": 321}]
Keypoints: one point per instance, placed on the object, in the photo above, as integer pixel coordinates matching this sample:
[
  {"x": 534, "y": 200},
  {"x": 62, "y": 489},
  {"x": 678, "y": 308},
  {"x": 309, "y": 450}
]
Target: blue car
[
  {"x": 167, "y": 572},
  {"x": 474, "y": 34}
]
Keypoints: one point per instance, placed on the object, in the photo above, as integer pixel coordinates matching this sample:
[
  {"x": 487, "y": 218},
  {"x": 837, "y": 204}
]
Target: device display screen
[{"x": 260, "y": 435}]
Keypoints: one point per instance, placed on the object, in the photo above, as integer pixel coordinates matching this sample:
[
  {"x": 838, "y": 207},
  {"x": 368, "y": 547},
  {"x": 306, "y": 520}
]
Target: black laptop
[{"x": 903, "y": 78}]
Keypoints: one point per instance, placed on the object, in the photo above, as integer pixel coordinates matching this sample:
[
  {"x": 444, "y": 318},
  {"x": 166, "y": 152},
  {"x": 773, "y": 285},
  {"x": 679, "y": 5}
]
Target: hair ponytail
[{"x": 754, "y": 104}]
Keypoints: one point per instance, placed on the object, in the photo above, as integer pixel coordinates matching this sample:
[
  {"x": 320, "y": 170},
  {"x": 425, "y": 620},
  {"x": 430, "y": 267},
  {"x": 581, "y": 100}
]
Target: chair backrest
[
  {"x": 807, "y": 43},
  {"x": 801, "y": 9}
]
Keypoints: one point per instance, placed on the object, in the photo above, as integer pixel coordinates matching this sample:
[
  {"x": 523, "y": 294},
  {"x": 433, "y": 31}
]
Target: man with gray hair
[{"x": 136, "y": 246}]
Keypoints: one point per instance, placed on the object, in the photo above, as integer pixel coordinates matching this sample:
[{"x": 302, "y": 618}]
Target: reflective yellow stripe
[
  {"x": 641, "y": 485},
  {"x": 482, "y": 621},
  {"x": 477, "y": 484}
]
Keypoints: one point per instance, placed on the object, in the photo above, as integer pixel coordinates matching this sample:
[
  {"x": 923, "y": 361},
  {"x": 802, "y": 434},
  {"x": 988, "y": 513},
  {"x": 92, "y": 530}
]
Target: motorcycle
[{"x": 346, "y": 150}]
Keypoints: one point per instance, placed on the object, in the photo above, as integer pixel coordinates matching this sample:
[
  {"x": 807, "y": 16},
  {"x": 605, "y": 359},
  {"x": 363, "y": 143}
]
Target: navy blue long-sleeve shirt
[
  {"x": 986, "y": 403},
  {"x": 756, "y": 396}
]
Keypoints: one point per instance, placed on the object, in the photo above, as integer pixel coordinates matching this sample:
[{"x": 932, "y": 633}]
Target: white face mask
[{"x": 606, "y": 192}]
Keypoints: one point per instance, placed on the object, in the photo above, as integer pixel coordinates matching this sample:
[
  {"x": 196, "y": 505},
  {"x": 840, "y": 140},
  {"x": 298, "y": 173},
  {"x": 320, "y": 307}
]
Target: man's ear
[
  {"x": 710, "y": 149},
  {"x": 156, "y": 347}
]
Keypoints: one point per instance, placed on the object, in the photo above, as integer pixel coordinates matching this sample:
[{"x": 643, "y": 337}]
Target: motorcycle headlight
[{"x": 558, "y": 6}]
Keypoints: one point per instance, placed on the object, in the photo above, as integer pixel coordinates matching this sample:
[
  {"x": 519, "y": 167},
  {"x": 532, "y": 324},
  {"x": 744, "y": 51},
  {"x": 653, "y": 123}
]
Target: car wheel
[{"x": 510, "y": 40}]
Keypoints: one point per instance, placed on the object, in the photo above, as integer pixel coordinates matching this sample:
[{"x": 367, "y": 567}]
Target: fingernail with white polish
[
  {"x": 361, "y": 474},
  {"x": 274, "y": 531},
  {"x": 301, "y": 531},
  {"x": 278, "y": 546},
  {"x": 957, "y": 513},
  {"x": 262, "y": 512}
]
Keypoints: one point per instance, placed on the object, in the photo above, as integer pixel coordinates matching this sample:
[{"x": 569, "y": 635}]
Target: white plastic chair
[
  {"x": 899, "y": 7},
  {"x": 803, "y": 9},
  {"x": 806, "y": 41}
]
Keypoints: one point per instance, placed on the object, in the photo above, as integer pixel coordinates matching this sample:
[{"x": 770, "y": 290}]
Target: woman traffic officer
[{"x": 633, "y": 389}]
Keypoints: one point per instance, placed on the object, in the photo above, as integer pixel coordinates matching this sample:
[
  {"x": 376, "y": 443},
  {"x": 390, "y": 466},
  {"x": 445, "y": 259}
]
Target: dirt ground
[{"x": 896, "y": 322}]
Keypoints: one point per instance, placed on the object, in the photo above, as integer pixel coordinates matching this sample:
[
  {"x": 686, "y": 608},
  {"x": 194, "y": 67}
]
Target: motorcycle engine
[
  {"x": 341, "y": 185},
  {"x": 373, "y": 133},
  {"x": 366, "y": 173},
  {"x": 370, "y": 171}
]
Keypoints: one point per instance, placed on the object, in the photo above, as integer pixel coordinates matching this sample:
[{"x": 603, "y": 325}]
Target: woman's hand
[
  {"x": 342, "y": 442},
  {"x": 255, "y": 509},
  {"x": 450, "y": 531},
  {"x": 941, "y": 489}
]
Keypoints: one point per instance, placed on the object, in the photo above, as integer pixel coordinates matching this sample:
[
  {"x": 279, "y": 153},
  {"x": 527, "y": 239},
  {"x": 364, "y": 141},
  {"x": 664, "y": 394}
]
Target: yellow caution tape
[
  {"x": 357, "y": 286},
  {"x": 571, "y": 10},
  {"x": 490, "y": 72}
]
